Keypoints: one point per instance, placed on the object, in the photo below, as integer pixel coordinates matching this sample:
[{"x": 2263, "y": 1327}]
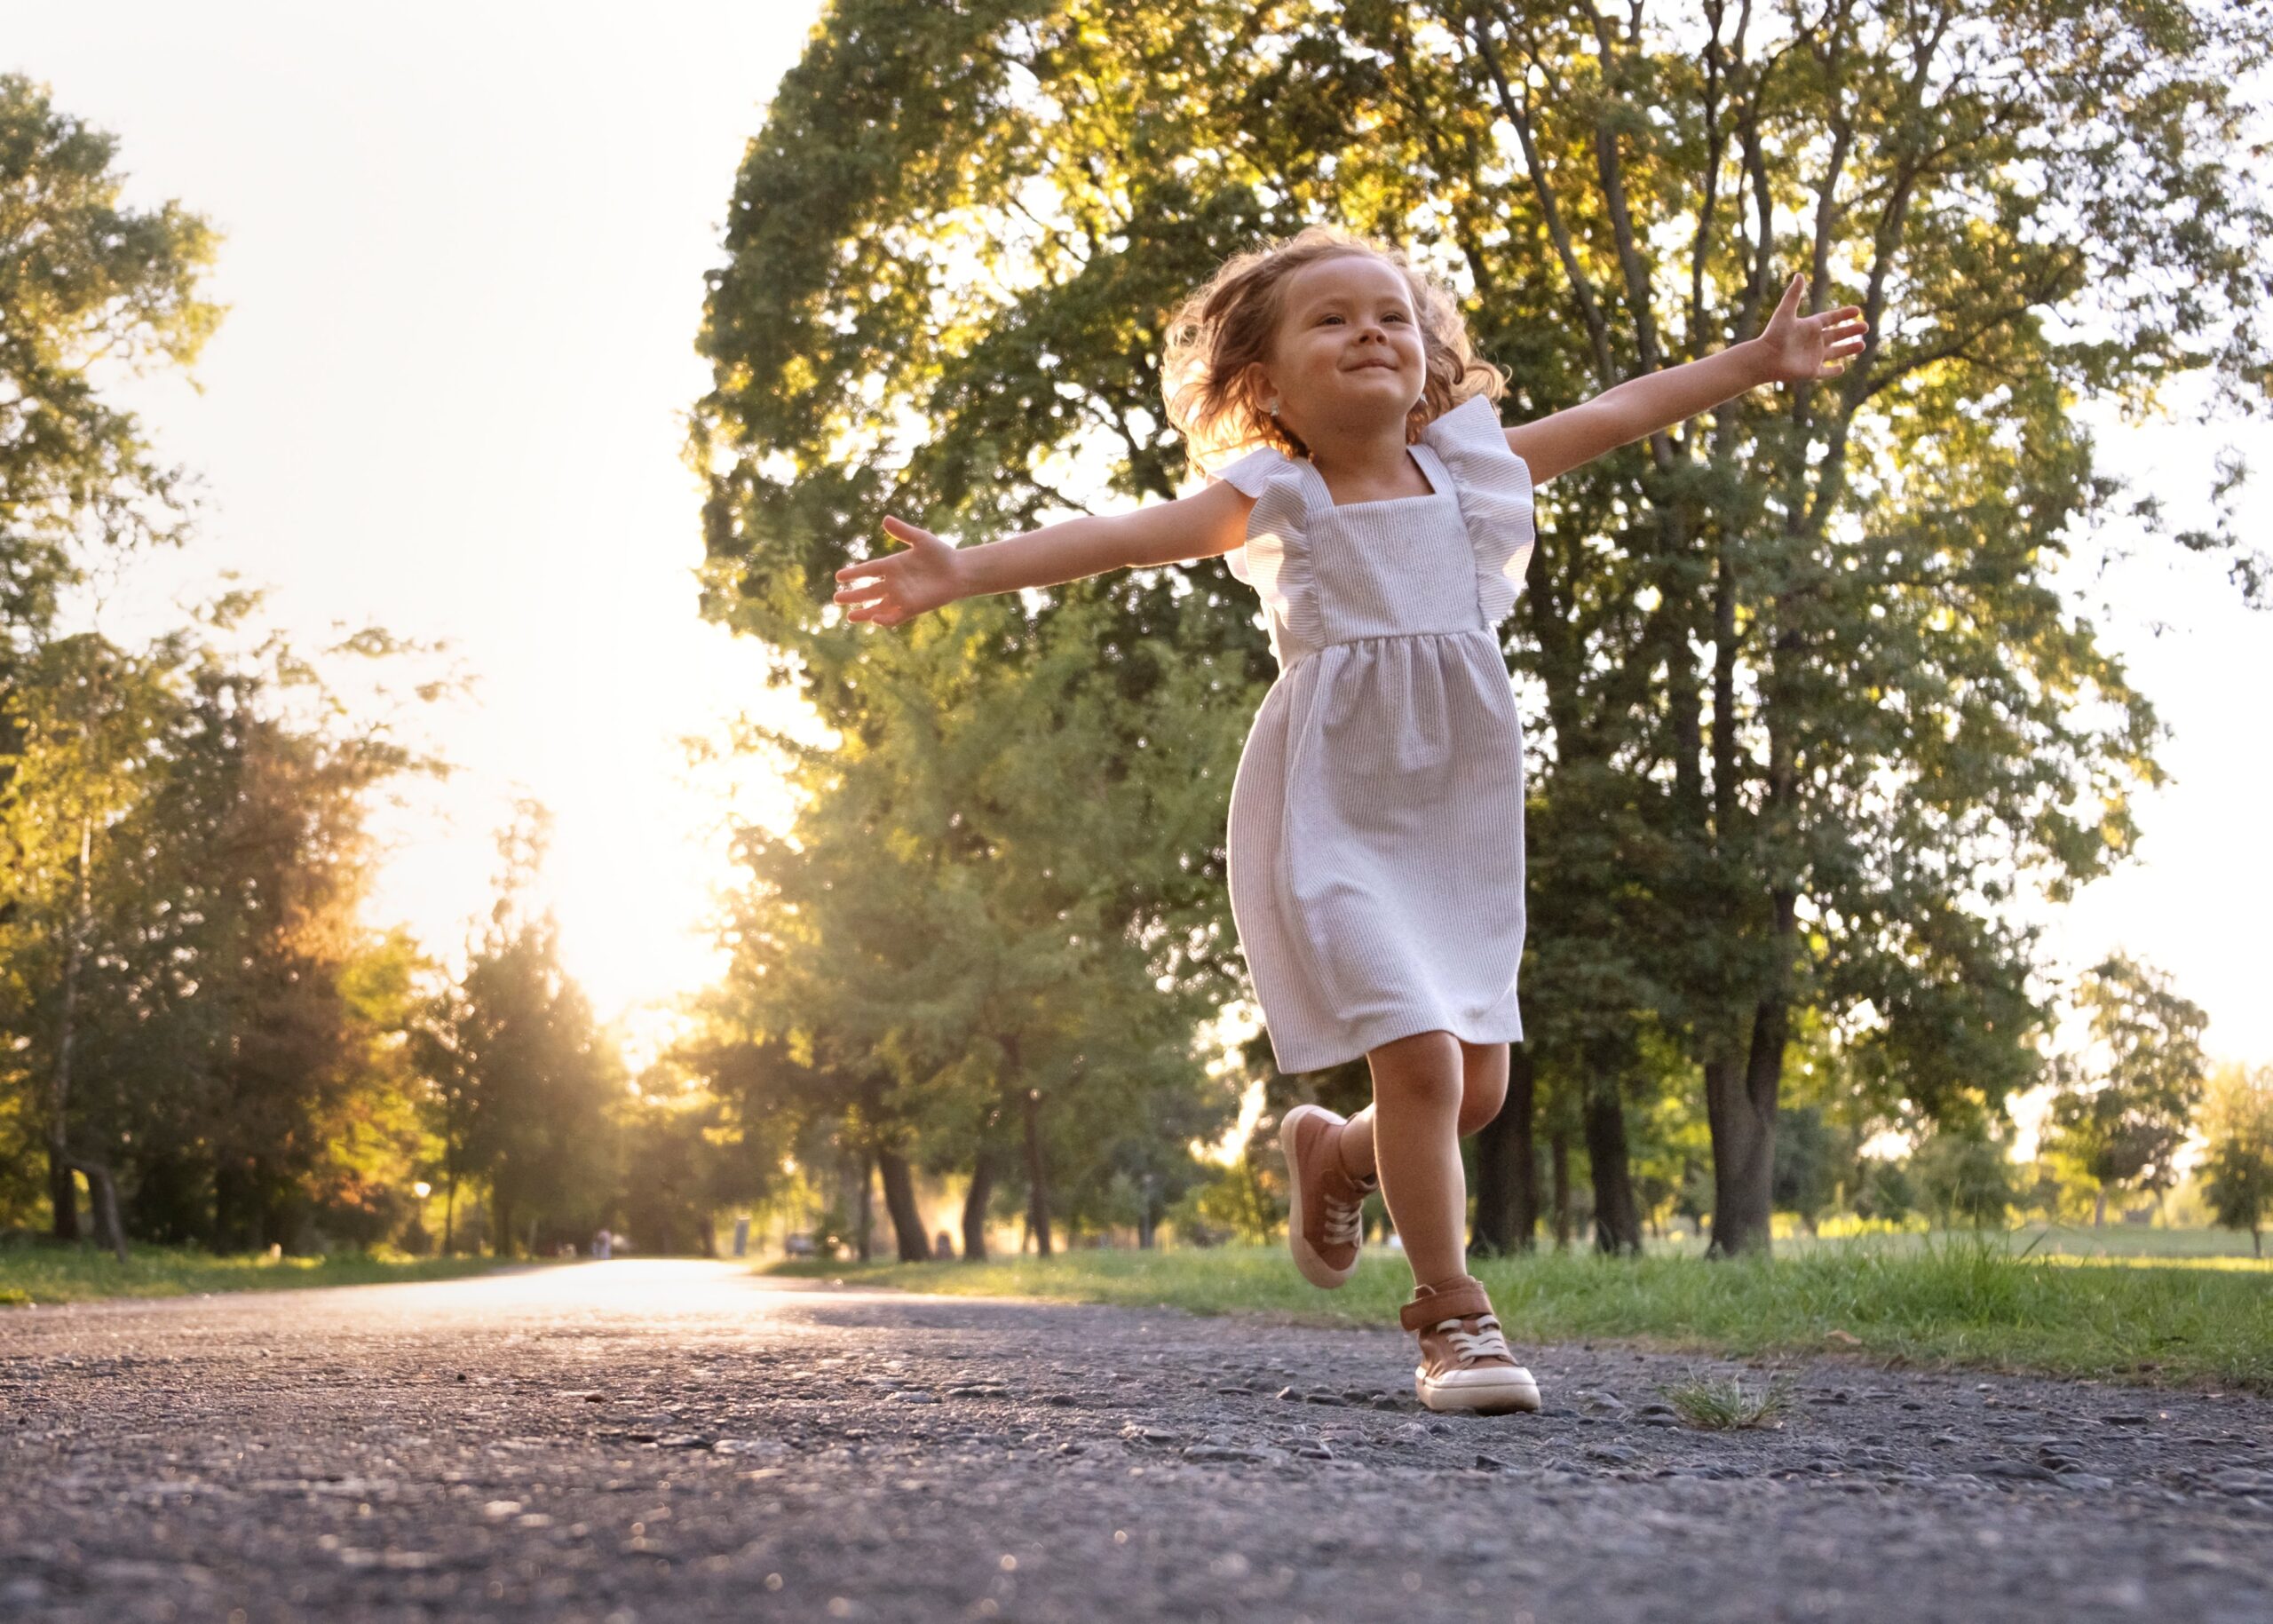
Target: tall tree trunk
[
  {"x": 1507, "y": 1171},
  {"x": 1558, "y": 1169},
  {"x": 1037, "y": 1180},
  {"x": 501, "y": 1212},
  {"x": 62, "y": 1189},
  {"x": 450, "y": 1212},
  {"x": 2099, "y": 1206},
  {"x": 864, "y": 1220},
  {"x": 105, "y": 1191},
  {"x": 974, "y": 1206},
  {"x": 900, "y": 1205},
  {"x": 1618, "y": 1223},
  {"x": 62, "y": 1193},
  {"x": 1742, "y": 1148},
  {"x": 1741, "y": 1108}
]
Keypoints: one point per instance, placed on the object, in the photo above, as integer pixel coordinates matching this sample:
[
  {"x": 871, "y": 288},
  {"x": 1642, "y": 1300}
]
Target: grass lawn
[
  {"x": 40, "y": 1273},
  {"x": 2216, "y": 1248},
  {"x": 1934, "y": 1301}
]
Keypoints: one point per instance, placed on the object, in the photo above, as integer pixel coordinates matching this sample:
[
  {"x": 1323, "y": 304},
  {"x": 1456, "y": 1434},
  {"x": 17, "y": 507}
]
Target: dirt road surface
[{"x": 647, "y": 1442}]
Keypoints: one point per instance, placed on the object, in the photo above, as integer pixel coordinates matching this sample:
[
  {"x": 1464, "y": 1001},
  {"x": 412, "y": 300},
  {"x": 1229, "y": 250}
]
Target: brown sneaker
[
  {"x": 1324, "y": 1226},
  {"x": 1465, "y": 1364}
]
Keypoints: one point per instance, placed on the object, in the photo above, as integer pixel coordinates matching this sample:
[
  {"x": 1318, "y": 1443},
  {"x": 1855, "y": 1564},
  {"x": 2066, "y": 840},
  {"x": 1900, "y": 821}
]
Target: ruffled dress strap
[
  {"x": 1275, "y": 559},
  {"x": 1493, "y": 485}
]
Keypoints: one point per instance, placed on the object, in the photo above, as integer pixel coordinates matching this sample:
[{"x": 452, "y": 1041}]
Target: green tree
[
  {"x": 1808, "y": 1163},
  {"x": 1806, "y": 708},
  {"x": 189, "y": 859},
  {"x": 88, "y": 720},
  {"x": 2128, "y": 1097},
  {"x": 521, "y": 1079},
  {"x": 375, "y": 1143},
  {"x": 971, "y": 946},
  {"x": 89, "y": 288},
  {"x": 2238, "y": 1155},
  {"x": 1966, "y": 1176},
  {"x": 681, "y": 1160}
]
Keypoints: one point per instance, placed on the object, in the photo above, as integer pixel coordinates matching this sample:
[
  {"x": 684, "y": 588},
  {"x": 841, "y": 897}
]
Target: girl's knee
[
  {"x": 1422, "y": 1072},
  {"x": 1418, "y": 1087}
]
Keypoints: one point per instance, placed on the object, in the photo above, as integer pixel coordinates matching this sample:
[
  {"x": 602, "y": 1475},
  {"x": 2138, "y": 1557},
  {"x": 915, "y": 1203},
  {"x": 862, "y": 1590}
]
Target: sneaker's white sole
[
  {"x": 1314, "y": 1268},
  {"x": 1494, "y": 1390}
]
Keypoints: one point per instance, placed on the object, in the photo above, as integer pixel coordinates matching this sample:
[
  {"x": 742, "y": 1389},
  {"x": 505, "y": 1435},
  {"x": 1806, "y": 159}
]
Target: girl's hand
[
  {"x": 1796, "y": 348},
  {"x": 901, "y": 585}
]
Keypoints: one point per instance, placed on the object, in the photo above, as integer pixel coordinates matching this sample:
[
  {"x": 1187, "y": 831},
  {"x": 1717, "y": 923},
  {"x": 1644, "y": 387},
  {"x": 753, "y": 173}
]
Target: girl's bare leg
[
  {"x": 1428, "y": 1090},
  {"x": 1484, "y": 1089}
]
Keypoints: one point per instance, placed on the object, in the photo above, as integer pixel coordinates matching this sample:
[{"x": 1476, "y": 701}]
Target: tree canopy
[{"x": 1809, "y": 710}]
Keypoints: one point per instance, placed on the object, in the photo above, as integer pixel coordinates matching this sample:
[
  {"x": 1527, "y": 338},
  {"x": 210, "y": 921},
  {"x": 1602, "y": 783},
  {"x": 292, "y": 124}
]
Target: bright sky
[{"x": 463, "y": 250}]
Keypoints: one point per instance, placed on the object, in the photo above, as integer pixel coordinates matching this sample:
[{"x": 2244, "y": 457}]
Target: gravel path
[{"x": 669, "y": 1443}]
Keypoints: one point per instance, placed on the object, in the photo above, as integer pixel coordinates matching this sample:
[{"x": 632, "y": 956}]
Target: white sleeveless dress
[{"x": 1376, "y": 824}]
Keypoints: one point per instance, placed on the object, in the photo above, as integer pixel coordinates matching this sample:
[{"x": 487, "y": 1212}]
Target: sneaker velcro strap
[{"x": 1454, "y": 1300}]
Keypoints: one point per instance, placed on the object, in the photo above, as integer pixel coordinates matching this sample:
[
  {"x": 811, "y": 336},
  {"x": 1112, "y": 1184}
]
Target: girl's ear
[{"x": 1265, "y": 392}]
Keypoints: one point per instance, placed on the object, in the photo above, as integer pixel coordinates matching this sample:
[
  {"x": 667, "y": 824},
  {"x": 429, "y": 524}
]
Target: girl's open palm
[
  {"x": 1801, "y": 348},
  {"x": 901, "y": 585}
]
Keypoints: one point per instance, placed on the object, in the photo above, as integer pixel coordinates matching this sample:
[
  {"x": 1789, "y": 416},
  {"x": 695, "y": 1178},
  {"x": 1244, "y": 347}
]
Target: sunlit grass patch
[
  {"x": 1934, "y": 1301},
  {"x": 34, "y": 1272},
  {"x": 1724, "y": 1403}
]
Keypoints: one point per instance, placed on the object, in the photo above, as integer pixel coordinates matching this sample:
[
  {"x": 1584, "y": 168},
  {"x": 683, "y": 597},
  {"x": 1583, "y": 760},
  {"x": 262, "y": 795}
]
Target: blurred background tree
[
  {"x": 2238, "y": 1160},
  {"x": 2127, "y": 1096}
]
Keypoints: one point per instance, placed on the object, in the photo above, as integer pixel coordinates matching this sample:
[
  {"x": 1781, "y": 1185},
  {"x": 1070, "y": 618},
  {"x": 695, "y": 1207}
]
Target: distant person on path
[
  {"x": 603, "y": 1245},
  {"x": 1366, "y": 487}
]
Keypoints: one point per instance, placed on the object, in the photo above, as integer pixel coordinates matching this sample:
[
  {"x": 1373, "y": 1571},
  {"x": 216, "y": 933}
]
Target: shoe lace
[
  {"x": 1344, "y": 1215},
  {"x": 1485, "y": 1341}
]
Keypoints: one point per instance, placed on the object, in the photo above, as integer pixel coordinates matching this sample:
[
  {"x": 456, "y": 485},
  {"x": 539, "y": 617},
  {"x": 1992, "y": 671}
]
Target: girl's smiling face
[{"x": 1348, "y": 357}]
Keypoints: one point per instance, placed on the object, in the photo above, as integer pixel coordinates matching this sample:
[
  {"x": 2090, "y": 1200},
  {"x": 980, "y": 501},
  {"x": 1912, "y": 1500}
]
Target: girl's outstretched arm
[
  {"x": 930, "y": 572},
  {"x": 1791, "y": 348}
]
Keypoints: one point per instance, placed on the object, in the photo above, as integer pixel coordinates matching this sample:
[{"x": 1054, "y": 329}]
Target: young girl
[{"x": 1375, "y": 839}]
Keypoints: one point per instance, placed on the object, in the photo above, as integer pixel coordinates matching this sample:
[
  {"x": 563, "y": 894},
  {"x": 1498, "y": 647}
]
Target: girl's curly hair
[{"x": 1217, "y": 336}]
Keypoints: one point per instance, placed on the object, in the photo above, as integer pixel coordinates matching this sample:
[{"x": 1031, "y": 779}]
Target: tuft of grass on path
[
  {"x": 40, "y": 1273},
  {"x": 1978, "y": 1301},
  {"x": 1726, "y": 1404}
]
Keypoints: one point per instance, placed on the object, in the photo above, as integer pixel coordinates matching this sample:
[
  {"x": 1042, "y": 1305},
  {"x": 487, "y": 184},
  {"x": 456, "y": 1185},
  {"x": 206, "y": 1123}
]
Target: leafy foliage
[
  {"x": 2126, "y": 1099},
  {"x": 1807, "y": 710},
  {"x": 85, "y": 284},
  {"x": 2237, "y": 1159},
  {"x": 978, "y": 941}
]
